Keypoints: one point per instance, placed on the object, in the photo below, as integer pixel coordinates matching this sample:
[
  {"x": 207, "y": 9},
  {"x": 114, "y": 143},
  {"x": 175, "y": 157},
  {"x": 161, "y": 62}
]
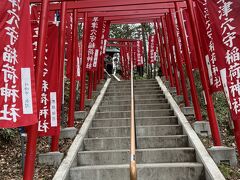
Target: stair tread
[
  {"x": 166, "y": 136},
  {"x": 148, "y": 165},
  {"x": 127, "y": 150},
  {"x": 138, "y": 118},
  {"x": 136, "y": 105},
  {"x": 138, "y": 111},
  {"x": 147, "y": 126}
]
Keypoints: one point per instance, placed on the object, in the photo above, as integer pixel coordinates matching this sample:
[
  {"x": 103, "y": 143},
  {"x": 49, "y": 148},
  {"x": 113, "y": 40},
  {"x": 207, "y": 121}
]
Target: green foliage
[
  {"x": 7, "y": 135},
  {"x": 131, "y": 31},
  {"x": 123, "y": 31},
  {"x": 228, "y": 172}
]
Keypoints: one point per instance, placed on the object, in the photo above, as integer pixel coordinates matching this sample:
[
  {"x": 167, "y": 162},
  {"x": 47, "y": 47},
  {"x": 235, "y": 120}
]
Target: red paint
[
  {"x": 204, "y": 79},
  {"x": 172, "y": 51},
  {"x": 84, "y": 60},
  {"x": 90, "y": 84},
  {"x": 196, "y": 105},
  {"x": 166, "y": 45},
  {"x": 32, "y": 131},
  {"x": 179, "y": 63},
  {"x": 159, "y": 48},
  {"x": 73, "y": 72},
  {"x": 162, "y": 49},
  {"x": 55, "y": 139}
]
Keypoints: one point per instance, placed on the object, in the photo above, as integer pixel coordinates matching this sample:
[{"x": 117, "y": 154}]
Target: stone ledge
[
  {"x": 223, "y": 155},
  {"x": 69, "y": 132},
  {"x": 178, "y": 99},
  {"x": 211, "y": 169},
  {"x": 89, "y": 102},
  {"x": 80, "y": 114},
  {"x": 69, "y": 161},
  {"x": 188, "y": 111},
  {"x": 51, "y": 158},
  {"x": 202, "y": 128}
]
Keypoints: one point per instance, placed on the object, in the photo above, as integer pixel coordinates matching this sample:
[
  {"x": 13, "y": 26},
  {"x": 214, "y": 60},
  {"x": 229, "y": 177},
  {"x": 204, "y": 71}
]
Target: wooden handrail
[{"x": 133, "y": 168}]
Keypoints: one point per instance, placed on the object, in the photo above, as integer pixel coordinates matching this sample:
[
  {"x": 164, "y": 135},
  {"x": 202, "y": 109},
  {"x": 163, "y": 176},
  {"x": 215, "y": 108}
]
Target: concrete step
[
  {"x": 145, "y": 89},
  {"x": 135, "y": 86},
  {"x": 135, "y": 81},
  {"x": 128, "y": 101},
  {"x": 126, "y": 114},
  {"x": 112, "y": 143},
  {"x": 156, "y": 171},
  {"x": 141, "y": 121},
  {"x": 164, "y": 155},
  {"x": 137, "y": 107},
  {"x": 136, "y": 97},
  {"x": 119, "y": 93},
  {"x": 157, "y": 130}
]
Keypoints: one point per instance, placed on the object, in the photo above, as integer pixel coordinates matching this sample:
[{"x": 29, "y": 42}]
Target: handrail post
[{"x": 133, "y": 168}]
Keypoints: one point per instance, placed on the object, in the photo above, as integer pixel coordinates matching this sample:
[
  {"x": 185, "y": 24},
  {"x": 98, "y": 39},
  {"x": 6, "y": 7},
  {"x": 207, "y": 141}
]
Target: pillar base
[
  {"x": 51, "y": 158},
  {"x": 202, "y": 128},
  {"x": 95, "y": 93},
  {"x": 80, "y": 114},
  {"x": 163, "y": 78},
  {"x": 69, "y": 132},
  {"x": 172, "y": 90},
  {"x": 188, "y": 111},
  {"x": 100, "y": 85},
  {"x": 167, "y": 84},
  {"x": 178, "y": 99},
  {"x": 89, "y": 102},
  {"x": 223, "y": 155}
]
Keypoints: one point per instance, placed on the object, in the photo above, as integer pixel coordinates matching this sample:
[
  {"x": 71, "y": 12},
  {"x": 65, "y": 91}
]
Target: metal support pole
[
  {"x": 196, "y": 105},
  {"x": 90, "y": 84},
  {"x": 84, "y": 58},
  {"x": 32, "y": 131},
  {"x": 204, "y": 79},
  {"x": 172, "y": 50},
  {"x": 55, "y": 139},
  {"x": 133, "y": 166},
  {"x": 164, "y": 29},
  {"x": 179, "y": 63},
  {"x": 73, "y": 72}
]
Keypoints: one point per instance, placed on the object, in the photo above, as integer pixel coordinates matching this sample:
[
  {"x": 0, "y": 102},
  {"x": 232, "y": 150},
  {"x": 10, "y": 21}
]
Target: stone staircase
[{"x": 163, "y": 151}]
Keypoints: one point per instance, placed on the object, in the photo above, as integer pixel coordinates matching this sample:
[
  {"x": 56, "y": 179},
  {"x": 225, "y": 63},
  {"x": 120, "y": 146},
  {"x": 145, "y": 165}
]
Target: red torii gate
[
  {"x": 120, "y": 40},
  {"x": 93, "y": 8}
]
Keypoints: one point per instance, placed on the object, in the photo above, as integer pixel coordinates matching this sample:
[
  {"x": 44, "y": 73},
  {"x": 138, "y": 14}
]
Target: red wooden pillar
[
  {"x": 172, "y": 50},
  {"x": 32, "y": 131},
  {"x": 90, "y": 84},
  {"x": 196, "y": 105},
  {"x": 73, "y": 72},
  {"x": 55, "y": 139},
  {"x": 95, "y": 79},
  {"x": 163, "y": 50},
  {"x": 84, "y": 58},
  {"x": 204, "y": 79},
  {"x": 166, "y": 43},
  {"x": 99, "y": 69},
  {"x": 179, "y": 63},
  {"x": 159, "y": 49}
]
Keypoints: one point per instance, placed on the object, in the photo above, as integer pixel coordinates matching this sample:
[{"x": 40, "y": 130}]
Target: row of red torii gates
[{"x": 167, "y": 31}]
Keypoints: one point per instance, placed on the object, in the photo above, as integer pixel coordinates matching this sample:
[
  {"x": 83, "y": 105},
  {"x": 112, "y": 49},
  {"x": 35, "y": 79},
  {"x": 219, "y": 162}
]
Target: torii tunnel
[{"x": 45, "y": 42}]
